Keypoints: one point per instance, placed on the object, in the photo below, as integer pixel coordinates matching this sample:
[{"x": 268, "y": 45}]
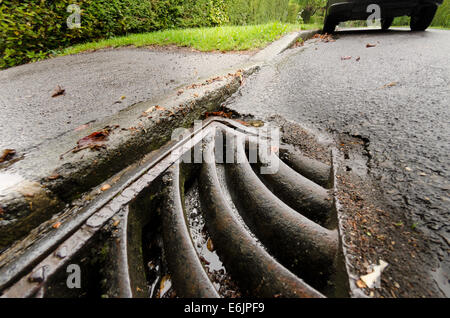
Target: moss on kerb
[{"x": 32, "y": 206}]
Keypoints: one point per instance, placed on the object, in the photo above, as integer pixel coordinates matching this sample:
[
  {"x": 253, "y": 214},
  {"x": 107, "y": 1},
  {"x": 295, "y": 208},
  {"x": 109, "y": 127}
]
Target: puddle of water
[{"x": 215, "y": 269}]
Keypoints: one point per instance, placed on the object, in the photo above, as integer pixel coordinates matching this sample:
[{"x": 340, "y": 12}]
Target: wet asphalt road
[
  {"x": 396, "y": 97},
  {"x": 94, "y": 85}
]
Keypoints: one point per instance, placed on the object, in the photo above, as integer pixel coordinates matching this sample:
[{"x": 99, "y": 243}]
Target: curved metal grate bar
[{"x": 292, "y": 255}]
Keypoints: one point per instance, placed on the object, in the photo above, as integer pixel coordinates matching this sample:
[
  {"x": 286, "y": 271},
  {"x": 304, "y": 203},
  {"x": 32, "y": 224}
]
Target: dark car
[{"x": 421, "y": 12}]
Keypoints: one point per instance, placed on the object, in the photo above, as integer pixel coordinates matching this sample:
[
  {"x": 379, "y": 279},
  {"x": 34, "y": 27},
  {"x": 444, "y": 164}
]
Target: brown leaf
[
  {"x": 219, "y": 114},
  {"x": 95, "y": 140},
  {"x": 58, "y": 91},
  {"x": 54, "y": 176},
  {"x": 7, "y": 154},
  {"x": 324, "y": 37},
  {"x": 2, "y": 211},
  {"x": 256, "y": 123},
  {"x": 162, "y": 285},
  {"x": 153, "y": 108},
  {"x": 370, "y": 45},
  {"x": 56, "y": 225},
  {"x": 358, "y": 59},
  {"x": 242, "y": 122},
  {"x": 392, "y": 84},
  {"x": 210, "y": 245},
  {"x": 105, "y": 187},
  {"x": 361, "y": 284}
]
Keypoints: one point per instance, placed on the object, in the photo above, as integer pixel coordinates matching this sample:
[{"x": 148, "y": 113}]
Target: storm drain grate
[{"x": 222, "y": 213}]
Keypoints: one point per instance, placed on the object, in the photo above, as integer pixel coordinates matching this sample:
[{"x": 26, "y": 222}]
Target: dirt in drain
[
  {"x": 214, "y": 267},
  {"x": 158, "y": 277}
]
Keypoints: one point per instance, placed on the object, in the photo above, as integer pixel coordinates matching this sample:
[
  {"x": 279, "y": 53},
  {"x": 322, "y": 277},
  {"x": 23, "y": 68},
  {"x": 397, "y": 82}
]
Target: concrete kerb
[
  {"x": 43, "y": 182},
  {"x": 282, "y": 45}
]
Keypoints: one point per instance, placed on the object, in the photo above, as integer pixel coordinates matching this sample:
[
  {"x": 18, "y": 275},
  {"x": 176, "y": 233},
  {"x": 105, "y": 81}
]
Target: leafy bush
[
  {"x": 442, "y": 18},
  {"x": 243, "y": 12}
]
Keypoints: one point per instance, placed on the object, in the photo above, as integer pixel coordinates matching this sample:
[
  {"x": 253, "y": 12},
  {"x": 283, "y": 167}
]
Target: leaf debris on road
[
  {"x": 58, "y": 91},
  {"x": 95, "y": 141},
  {"x": 392, "y": 84},
  {"x": 324, "y": 37},
  {"x": 54, "y": 176},
  {"x": 219, "y": 114},
  {"x": 153, "y": 108}
]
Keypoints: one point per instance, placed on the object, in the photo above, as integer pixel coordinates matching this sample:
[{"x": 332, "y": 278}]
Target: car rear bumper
[{"x": 357, "y": 10}]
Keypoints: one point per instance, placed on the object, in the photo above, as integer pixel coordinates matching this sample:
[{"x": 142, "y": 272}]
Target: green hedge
[
  {"x": 442, "y": 18},
  {"x": 31, "y": 29}
]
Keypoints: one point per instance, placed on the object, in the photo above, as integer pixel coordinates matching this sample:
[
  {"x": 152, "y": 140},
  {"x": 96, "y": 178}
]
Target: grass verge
[{"x": 225, "y": 38}]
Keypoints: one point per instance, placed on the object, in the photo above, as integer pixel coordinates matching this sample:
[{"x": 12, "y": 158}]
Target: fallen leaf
[
  {"x": 219, "y": 114},
  {"x": 2, "y": 211},
  {"x": 7, "y": 154},
  {"x": 344, "y": 58},
  {"x": 370, "y": 45},
  {"x": 56, "y": 225},
  {"x": 122, "y": 97},
  {"x": 105, "y": 187},
  {"x": 392, "y": 84},
  {"x": 242, "y": 122},
  {"x": 116, "y": 223},
  {"x": 361, "y": 284},
  {"x": 58, "y": 91},
  {"x": 358, "y": 59},
  {"x": 256, "y": 123},
  {"x": 210, "y": 245},
  {"x": 162, "y": 285},
  {"x": 204, "y": 261},
  {"x": 218, "y": 78},
  {"x": 153, "y": 108},
  {"x": 95, "y": 140},
  {"x": 54, "y": 176}
]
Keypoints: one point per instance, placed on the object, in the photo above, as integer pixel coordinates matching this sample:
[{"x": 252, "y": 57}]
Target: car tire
[
  {"x": 329, "y": 25},
  {"x": 422, "y": 18},
  {"x": 386, "y": 23}
]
